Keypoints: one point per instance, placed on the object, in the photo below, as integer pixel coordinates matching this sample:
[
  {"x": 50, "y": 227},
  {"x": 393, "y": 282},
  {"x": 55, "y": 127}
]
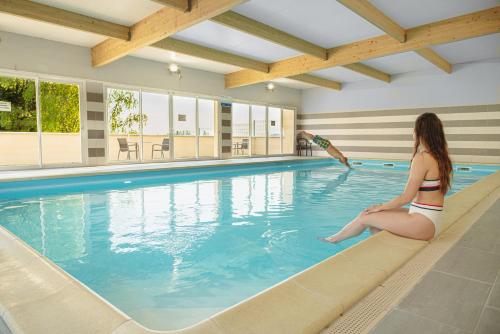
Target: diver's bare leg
[{"x": 306, "y": 135}]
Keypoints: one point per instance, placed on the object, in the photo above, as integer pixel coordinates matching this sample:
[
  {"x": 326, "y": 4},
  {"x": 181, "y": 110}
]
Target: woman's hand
[{"x": 374, "y": 208}]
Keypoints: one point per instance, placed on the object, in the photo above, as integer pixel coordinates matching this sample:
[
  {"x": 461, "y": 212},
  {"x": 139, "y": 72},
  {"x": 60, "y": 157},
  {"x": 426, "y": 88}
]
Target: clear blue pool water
[{"x": 171, "y": 248}]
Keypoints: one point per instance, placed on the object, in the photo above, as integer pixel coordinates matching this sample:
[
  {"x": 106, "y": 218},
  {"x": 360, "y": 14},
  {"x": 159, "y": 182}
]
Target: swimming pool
[{"x": 171, "y": 248}]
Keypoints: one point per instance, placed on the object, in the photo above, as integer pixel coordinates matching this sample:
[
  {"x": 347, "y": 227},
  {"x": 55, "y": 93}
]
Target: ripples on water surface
[{"x": 171, "y": 254}]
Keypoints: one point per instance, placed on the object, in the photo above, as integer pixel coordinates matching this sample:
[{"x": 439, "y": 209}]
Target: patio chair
[
  {"x": 164, "y": 146},
  {"x": 244, "y": 146},
  {"x": 125, "y": 146},
  {"x": 303, "y": 144}
]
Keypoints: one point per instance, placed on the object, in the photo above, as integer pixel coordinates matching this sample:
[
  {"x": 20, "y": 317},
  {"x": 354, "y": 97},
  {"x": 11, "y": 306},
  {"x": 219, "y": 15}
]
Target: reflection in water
[
  {"x": 56, "y": 227},
  {"x": 330, "y": 186},
  {"x": 168, "y": 218},
  {"x": 172, "y": 254}
]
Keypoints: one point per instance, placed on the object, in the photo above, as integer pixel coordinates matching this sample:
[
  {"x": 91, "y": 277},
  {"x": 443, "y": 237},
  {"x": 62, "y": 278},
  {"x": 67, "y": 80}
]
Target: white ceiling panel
[
  {"x": 126, "y": 12},
  {"x": 166, "y": 56},
  {"x": 399, "y": 63},
  {"x": 219, "y": 37},
  {"x": 411, "y": 13},
  {"x": 323, "y": 22},
  {"x": 292, "y": 83},
  {"x": 48, "y": 31},
  {"x": 480, "y": 48}
]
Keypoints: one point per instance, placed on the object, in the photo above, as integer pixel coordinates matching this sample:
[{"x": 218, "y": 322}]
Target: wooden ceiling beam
[
  {"x": 373, "y": 15},
  {"x": 61, "y": 17},
  {"x": 317, "y": 81},
  {"x": 204, "y": 52},
  {"x": 182, "y": 5},
  {"x": 165, "y": 22},
  {"x": 467, "y": 26},
  {"x": 261, "y": 30},
  {"x": 435, "y": 59},
  {"x": 368, "y": 71}
]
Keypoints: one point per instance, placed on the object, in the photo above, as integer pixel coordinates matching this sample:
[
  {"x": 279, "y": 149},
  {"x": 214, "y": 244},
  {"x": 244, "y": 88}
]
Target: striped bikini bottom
[{"x": 433, "y": 212}]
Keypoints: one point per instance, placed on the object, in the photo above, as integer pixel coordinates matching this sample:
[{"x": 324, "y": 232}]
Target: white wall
[
  {"x": 23, "y": 53},
  {"x": 469, "y": 84}
]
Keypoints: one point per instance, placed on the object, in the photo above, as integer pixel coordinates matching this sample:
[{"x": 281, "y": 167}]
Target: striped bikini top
[{"x": 430, "y": 185}]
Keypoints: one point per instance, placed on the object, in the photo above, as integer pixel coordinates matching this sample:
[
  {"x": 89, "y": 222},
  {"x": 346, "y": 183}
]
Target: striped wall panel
[
  {"x": 226, "y": 130},
  {"x": 473, "y": 132},
  {"x": 96, "y": 150}
]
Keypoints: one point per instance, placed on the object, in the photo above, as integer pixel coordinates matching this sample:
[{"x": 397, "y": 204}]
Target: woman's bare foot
[{"x": 331, "y": 239}]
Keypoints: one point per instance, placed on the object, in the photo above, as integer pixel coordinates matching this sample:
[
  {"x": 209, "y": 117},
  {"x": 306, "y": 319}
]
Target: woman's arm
[{"x": 417, "y": 174}]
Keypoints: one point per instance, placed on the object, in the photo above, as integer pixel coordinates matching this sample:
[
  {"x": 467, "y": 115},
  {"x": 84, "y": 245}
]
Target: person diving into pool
[
  {"x": 326, "y": 145},
  {"x": 428, "y": 182}
]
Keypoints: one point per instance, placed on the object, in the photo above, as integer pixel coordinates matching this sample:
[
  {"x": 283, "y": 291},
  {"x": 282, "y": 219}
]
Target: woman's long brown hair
[{"x": 429, "y": 130}]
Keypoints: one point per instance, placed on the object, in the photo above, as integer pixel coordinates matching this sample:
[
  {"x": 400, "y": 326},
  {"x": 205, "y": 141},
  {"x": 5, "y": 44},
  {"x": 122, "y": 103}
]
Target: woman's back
[{"x": 430, "y": 191}]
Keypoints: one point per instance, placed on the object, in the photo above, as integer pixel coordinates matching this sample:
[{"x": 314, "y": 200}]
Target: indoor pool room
[
  {"x": 155, "y": 244},
  {"x": 249, "y": 167}
]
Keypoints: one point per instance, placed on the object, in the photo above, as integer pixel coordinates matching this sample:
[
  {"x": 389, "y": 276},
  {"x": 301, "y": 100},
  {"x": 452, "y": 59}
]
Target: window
[
  {"x": 274, "y": 130},
  {"x": 240, "y": 129},
  {"x": 60, "y": 119},
  {"x": 124, "y": 119},
  {"x": 184, "y": 127},
  {"x": 156, "y": 126},
  {"x": 259, "y": 144},
  {"x": 47, "y": 134},
  {"x": 19, "y": 142}
]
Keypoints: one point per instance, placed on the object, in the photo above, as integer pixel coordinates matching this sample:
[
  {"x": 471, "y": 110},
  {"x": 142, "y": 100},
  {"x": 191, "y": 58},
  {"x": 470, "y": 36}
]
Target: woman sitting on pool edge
[
  {"x": 428, "y": 182},
  {"x": 326, "y": 145}
]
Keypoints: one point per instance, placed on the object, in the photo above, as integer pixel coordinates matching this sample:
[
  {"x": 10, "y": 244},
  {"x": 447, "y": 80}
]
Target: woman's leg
[
  {"x": 374, "y": 230},
  {"x": 397, "y": 221},
  {"x": 353, "y": 229}
]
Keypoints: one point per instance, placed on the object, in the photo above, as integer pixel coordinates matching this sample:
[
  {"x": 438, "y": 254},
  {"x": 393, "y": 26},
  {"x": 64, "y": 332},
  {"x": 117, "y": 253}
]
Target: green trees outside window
[
  {"x": 59, "y": 106},
  {"x": 124, "y": 114},
  {"x": 21, "y": 93}
]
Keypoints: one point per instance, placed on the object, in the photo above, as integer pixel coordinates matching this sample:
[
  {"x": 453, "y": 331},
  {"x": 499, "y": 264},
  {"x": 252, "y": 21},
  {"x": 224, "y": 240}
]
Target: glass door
[
  {"x": 156, "y": 141},
  {"x": 125, "y": 125},
  {"x": 259, "y": 131},
  {"x": 288, "y": 138},
  {"x": 241, "y": 129},
  {"x": 184, "y": 127},
  {"x": 207, "y": 141},
  {"x": 274, "y": 130}
]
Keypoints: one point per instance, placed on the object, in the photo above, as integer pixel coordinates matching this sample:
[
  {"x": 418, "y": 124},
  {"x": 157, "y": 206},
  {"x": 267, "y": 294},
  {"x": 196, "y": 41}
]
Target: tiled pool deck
[{"x": 461, "y": 294}]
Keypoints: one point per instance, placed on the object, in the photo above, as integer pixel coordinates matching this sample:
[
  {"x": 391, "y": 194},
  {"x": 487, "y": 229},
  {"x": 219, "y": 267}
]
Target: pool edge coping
[
  {"x": 79, "y": 171},
  {"x": 358, "y": 270},
  {"x": 54, "y": 173}
]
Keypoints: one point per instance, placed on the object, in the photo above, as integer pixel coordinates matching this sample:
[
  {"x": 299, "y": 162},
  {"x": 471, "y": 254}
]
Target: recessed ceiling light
[{"x": 270, "y": 86}]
